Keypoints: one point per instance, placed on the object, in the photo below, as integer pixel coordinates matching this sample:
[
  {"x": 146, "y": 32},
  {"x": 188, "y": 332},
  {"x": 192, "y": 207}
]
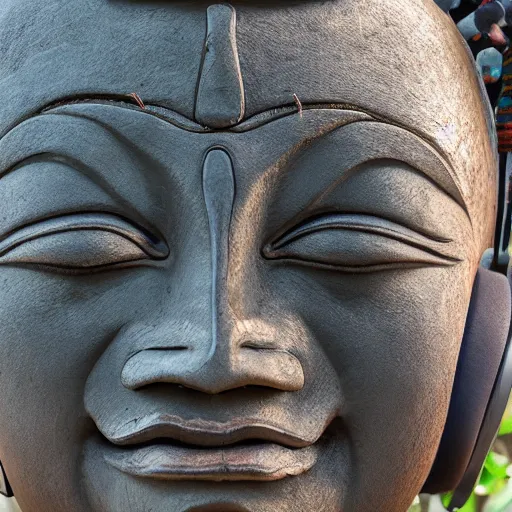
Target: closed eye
[
  {"x": 87, "y": 241},
  {"x": 359, "y": 243}
]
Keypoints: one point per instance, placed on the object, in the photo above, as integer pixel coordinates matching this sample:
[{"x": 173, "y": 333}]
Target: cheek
[
  {"x": 52, "y": 330},
  {"x": 393, "y": 339}
]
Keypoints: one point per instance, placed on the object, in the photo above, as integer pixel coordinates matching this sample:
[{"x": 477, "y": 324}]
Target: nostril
[
  {"x": 271, "y": 367},
  {"x": 155, "y": 364},
  {"x": 255, "y": 345},
  {"x": 256, "y": 390},
  {"x": 168, "y": 348}
]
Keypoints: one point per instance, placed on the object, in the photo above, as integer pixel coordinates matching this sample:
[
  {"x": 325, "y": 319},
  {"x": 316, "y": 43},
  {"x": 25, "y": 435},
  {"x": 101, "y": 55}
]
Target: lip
[
  {"x": 204, "y": 433},
  {"x": 260, "y": 462},
  {"x": 167, "y": 447}
]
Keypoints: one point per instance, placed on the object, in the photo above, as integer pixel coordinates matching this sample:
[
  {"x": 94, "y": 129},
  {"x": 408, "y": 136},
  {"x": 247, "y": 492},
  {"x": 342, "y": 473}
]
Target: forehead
[
  {"x": 377, "y": 55},
  {"x": 405, "y": 64}
]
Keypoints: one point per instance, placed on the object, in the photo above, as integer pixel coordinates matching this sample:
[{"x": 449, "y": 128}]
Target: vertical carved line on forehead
[
  {"x": 218, "y": 190},
  {"x": 220, "y": 98},
  {"x": 219, "y": 197}
]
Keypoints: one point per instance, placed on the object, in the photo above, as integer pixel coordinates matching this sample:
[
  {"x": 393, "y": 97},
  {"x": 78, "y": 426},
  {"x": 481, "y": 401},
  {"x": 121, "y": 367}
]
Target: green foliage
[
  {"x": 506, "y": 426},
  {"x": 470, "y": 506},
  {"x": 494, "y": 480}
]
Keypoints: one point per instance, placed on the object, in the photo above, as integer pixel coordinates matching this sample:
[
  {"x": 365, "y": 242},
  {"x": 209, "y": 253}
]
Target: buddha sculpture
[{"x": 238, "y": 247}]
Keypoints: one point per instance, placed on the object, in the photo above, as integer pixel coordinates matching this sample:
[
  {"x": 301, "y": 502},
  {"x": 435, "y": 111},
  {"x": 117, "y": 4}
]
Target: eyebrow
[
  {"x": 397, "y": 144},
  {"x": 442, "y": 174},
  {"x": 33, "y": 141}
]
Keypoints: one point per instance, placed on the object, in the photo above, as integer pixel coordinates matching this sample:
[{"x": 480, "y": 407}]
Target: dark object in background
[{"x": 481, "y": 20}]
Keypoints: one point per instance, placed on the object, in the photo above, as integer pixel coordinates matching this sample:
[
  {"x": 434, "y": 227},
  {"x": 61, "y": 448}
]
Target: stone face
[{"x": 211, "y": 301}]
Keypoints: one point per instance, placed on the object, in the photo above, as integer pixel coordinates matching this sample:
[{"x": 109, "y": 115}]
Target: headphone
[{"x": 483, "y": 379}]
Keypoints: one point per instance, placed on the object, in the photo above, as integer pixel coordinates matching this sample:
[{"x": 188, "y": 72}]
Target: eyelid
[
  {"x": 436, "y": 250},
  {"x": 358, "y": 222},
  {"x": 153, "y": 247}
]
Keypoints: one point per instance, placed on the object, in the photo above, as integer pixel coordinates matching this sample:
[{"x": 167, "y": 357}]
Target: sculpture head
[{"x": 217, "y": 301}]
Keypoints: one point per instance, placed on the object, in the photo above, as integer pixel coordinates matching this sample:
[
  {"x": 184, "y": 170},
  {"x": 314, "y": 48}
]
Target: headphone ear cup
[{"x": 480, "y": 390}]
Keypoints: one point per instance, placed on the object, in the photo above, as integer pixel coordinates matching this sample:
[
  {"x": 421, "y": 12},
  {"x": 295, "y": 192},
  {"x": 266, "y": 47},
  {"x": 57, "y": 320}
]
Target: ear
[{"x": 480, "y": 391}]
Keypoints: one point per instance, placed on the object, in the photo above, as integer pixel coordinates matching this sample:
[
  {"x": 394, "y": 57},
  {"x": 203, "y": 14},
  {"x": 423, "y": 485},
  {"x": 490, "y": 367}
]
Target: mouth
[{"x": 169, "y": 448}]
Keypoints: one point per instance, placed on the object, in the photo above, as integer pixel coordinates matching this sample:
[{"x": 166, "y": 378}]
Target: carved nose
[
  {"x": 230, "y": 361},
  {"x": 271, "y": 368}
]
